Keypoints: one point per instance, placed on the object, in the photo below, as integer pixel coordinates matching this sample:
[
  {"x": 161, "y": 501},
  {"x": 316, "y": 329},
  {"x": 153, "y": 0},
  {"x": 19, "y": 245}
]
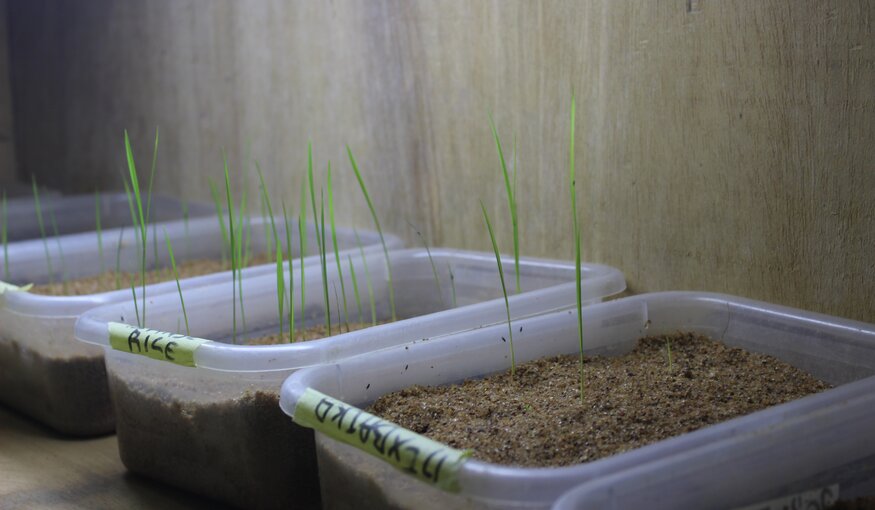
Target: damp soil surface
[
  {"x": 111, "y": 280},
  {"x": 536, "y": 418},
  {"x": 311, "y": 333}
]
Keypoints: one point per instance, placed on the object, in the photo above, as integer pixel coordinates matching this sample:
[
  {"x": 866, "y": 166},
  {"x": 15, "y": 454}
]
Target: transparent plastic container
[
  {"x": 49, "y": 376},
  {"x": 76, "y": 213},
  {"x": 836, "y": 350},
  {"x": 224, "y": 433}
]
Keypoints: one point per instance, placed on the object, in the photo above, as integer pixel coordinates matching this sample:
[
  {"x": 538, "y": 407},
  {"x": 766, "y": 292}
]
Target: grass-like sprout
[
  {"x": 243, "y": 237},
  {"x": 280, "y": 276},
  {"x": 118, "y": 259},
  {"x": 42, "y": 227},
  {"x": 510, "y": 188},
  {"x": 57, "y": 237},
  {"x": 134, "y": 293},
  {"x": 135, "y": 187},
  {"x": 668, "y": 350},
  {"x": 355, "y": 289},
  {"x": 217, "y": 202},
  {"x": 452, "y": 283},
  {"x": 291, "y": 275},
  {"x": 302, "y": 246},
  {"x": 368, "y": 281},
  {"x": 503, "y": 286},
  {"x": 336, "y": 250},
  {"x": 176, "y": 276},
  {"x": 233, "y": 251},
  {"x": 437, "y": 280},
  {"x": 572, "y": 182},
  {"x": 364, "y": 189},
  {"x": 320, "y": 236},
  {"x": 4, "y": 237},
  {"x": 99, "y": 228},
  {"x": 324, "y": 263}
]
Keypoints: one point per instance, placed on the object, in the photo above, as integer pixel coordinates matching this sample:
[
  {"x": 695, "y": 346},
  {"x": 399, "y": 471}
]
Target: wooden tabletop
[{"x": 41, "y": 469}]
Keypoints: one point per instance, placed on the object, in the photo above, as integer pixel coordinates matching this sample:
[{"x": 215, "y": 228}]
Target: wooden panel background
[
  {"x": 7, "y": 148},
  {"x": 722, "y": 145}
]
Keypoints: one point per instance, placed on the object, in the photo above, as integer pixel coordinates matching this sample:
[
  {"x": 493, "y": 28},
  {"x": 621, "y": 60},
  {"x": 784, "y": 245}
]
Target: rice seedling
[
  {"x": 511, "y": 201},
  {"x": 42, "y": 228},
  {"x": 364, "y": 189},
  {"x": 452, "y": 284},
  {"x": 336, "y": 250},
  {"x": 280, "y": 276},
  {"x": 291, "y": 275},
  {"x": 135, "y": 187},
  {"x": 368, "y": 281},
  {"x": 437, "y": 280},
  {"x": 118, "y": 259},
  {"x": 572, "y": 182},
  {"x": 232, "y": 249},
  {"x": 217, "y": 201},
  {"x": 320, "y": 236},
  {"x": 4, "y": 237},
  {"x": 503, "y": 286},
  {"x": 134, "y": 293},
  {"x": 355, "y": 289},
  {"x": 57, "y": 237},
  {"x": 302, "y": 244},
  {"x": 176, "y": 276},
  {"x": 97, "y": 226},
  {"x": 243, "y": 237}
]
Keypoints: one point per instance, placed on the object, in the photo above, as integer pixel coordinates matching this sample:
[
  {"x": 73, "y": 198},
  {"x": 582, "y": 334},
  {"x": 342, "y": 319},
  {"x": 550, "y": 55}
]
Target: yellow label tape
[
  {"x": 430, "y": 461},
  {"x": 160, "y": 345},
  {"x": 8, "y": 287}
]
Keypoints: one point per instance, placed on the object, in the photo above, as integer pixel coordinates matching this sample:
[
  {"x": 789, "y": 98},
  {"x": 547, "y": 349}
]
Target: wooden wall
[
  {"x": 722, "y": 145},
  {"x": 7, "y": 148}
]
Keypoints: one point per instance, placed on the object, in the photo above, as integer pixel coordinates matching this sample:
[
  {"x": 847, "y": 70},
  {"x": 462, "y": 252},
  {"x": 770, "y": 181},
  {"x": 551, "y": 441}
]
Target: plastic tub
[
  {"x": 836, "y": 350},
  {"x": 74, "y": 214},
  {"x": 223, "y": 433},
  {"x": 60, "y": 382}
]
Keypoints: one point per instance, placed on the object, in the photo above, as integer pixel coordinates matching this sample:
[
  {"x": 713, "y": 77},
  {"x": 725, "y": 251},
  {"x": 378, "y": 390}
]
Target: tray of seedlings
[
  {"x": 208, "y": 420},
  {"x": 684, "y": 380},
  {"x": 51, "y": 280}
]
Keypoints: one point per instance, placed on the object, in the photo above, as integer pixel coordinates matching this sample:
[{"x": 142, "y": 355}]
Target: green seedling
[
  {"x": 336, "y": 250},
  {"x": 42, "y": 228},
  {"x": 217, "y": 201},
  {"x": 302, "y": 243},
  {"x": 176, "y": 276},
  {"x": 291, "y": 275},
  {"x": 232, "y": 249},
  {"x": 324, "y": 264},
  {"x": 134, "y": 293},
  {"x": 242, "y": 237},
  {"x": 368, "y": 281},
  {"x": 97, "y": 225},
  {"x": 364, "y": 189},
  {"x": 57, "y": 236},
  {"x": 510, "y": 189},
  {"x": 572, "y": 182},
  {"x": 355, "y": 289},
  {"x": 452, "y": 283},
  {"x": 503, "y": 287},
  {"x": 280, "y": 277},
  {"x": 118, "y": 259},
  {"x": 4, "y": 234},
  {"x": 320, "y": 236},
  {"x": 135, "y": 187},
  {"x": 437, "y": 280}
]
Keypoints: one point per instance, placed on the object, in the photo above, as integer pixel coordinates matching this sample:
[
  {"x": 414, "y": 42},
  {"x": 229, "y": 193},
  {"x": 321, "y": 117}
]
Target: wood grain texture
[
  {"x": 722, "y": 146},
  {"x": 7, "y": 147}
]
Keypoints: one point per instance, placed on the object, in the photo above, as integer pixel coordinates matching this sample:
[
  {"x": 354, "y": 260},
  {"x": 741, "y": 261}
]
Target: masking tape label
[
  {"x": 8, "y": 287},
  {"x": 160, "y": 345},
  {"x": 430, "y": 461},
  {"x": 816, "y": 499}
]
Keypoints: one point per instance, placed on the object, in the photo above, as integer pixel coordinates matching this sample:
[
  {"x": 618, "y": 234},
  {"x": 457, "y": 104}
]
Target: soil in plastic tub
[
  {"x": 222, "y": 438},
  {"x": 63, "y": 383},
  {"x": 536, "y": 418}
]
